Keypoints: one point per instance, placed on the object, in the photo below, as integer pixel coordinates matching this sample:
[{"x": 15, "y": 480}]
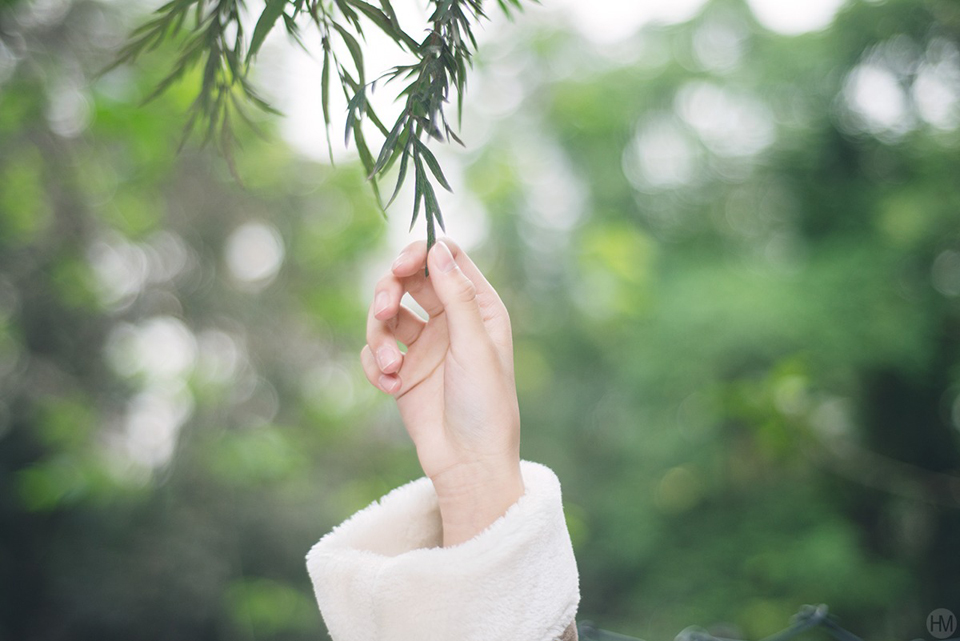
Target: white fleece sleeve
[{"x": 382, "y": 575}]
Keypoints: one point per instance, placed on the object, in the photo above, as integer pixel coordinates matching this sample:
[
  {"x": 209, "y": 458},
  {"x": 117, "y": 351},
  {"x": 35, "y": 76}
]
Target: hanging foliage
[{"x": 210, "y": 35}]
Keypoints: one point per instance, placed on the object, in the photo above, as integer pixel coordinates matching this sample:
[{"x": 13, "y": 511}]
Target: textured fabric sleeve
[{"x": 382, "y": 575}]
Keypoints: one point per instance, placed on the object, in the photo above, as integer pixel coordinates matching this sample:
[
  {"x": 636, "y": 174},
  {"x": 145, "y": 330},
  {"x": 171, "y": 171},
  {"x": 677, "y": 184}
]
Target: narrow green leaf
[
  {"x": 386, "y": 22},
  {"x": 417, "y": 188},
  {"x": 440, "y": 220},
  {"x": 355, "y": 51},
  {"x": 251, "y": 94},
  {"x": 431, "y": 206},
  {"x": 389, "y": 144},
  {"x": 431, "y": 234},
  {"x": 354, "y": 109},
  {"x": 293, "y": 30},
  {"x": 375, "y": 15},
  {"x": 400, "y": 176},
  {"x": 271, "y": 13},
  {"x": 434, "y": 166},
  {"x": 325, "y": 96},
  {"x": 348, "y": 13},
  {"x": 455, "y": 137},
  {"x": 325, "y": 87},
  {"x": 398, "y": 151},
  {"x": 388, "y": 9},
  {"x": 366, "y": 158}
]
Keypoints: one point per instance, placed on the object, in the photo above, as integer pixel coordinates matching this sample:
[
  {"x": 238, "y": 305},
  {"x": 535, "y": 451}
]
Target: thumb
[{"x": 458, "y": 295}]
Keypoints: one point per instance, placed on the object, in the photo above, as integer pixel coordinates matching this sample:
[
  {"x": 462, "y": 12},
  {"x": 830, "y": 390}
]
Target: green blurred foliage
[{"x": 736, "y": 335}]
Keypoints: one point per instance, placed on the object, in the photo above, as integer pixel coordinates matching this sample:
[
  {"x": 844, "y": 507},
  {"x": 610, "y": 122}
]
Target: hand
[{"x": 455, "y": 385}]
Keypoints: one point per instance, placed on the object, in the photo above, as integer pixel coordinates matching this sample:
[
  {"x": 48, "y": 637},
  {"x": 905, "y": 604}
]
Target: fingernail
[
  {"x": 401, "y": 259},
  {"x": 444, "y": 258},
  {"x": 385, "y": 357},
  {"x": 381, "y": 303},
  {"x": 388, "y": 384}
]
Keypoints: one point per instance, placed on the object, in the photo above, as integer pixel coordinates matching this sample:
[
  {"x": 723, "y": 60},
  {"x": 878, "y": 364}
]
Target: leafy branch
[{"x": 210, "y": 35}]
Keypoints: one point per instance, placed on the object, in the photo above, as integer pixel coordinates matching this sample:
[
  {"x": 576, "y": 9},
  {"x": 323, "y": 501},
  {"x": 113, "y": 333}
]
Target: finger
[
  {"x": 383, "y": 344},
  {"x": 458, "y": 294},
  {"x": 406, "y": 326},
  {"x": 408, "y": 269},
  {"x": 411, "y": 259},
  {"x": 380, "y": 335},
  {"x": 386, "y": 297},
  {"x": 389, "y": 383}
]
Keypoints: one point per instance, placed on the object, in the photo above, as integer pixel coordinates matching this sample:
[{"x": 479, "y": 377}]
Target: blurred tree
[
  {"x": 742, "y": 332},
  {"x": 174, "y": 356}
]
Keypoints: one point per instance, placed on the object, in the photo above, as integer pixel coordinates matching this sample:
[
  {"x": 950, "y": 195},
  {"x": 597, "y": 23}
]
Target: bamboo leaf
[
  {"x": 372, "y": 115},
  {"x": 417, "y": 188},
  {"x": 325, "y": 87},
  {"x": 401, "y": 175},
  {"x": 348, "y": 13},
  {"x": 389, "y": 144},
  {"x": 375, "y": 15},
  {"x": 355, "y": 51},
  {"x": 386, "y": 22},
  {"x": 388, "y": 9},
  {"x": 294, "y": 32},
  {"x": 271, "y": 13},
  {"x": 431, "y": 235},
  {"x": 366, "y": 158},
  {"x": 354, "y": 107},
  {"x": 325, "y": 96},
  {"x": 434, "y": 166},
  {"x": 431, "y": 206},
  {"x": 440, "y": 220}
]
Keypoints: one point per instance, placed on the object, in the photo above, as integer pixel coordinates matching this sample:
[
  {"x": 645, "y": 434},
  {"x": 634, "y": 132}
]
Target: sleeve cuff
[{"x": 381, "y": 575}]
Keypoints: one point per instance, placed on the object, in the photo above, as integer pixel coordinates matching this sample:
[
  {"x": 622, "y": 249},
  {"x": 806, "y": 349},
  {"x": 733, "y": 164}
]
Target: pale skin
[{"x": 455, "y": 385}]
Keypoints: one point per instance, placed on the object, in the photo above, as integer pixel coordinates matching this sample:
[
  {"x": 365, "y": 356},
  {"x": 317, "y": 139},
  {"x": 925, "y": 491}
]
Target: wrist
[{"x": 473, "y": 495}]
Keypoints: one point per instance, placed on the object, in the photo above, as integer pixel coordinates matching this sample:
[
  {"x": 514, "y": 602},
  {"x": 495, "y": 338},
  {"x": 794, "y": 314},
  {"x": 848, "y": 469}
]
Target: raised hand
[{"x": 455, "y": 385}]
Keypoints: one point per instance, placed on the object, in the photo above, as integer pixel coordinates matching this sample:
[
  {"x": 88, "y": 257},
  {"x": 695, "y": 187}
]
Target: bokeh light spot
[
  {"x": 730, "y": 124},
  {"x": 945, "y": 273},
  {"x": 254, "y": 254},
  {"x": 793, "y": 17},
  {"x": 661, "y": 156},
  {"x": 874, "y": 94}
]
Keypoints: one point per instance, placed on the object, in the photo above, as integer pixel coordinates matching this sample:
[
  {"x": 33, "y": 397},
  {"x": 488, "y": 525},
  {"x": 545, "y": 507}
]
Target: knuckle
[{"x": 466, "y": 291}]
